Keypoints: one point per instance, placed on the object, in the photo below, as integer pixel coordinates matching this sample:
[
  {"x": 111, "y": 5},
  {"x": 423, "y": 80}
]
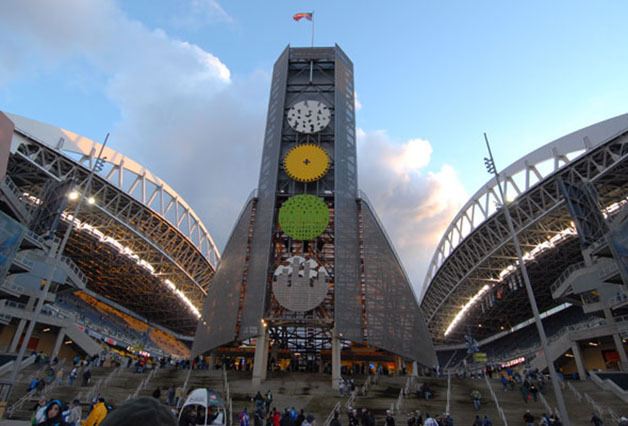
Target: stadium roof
[
  {"x": 140, "y": 244},
  {"x": 475, "y": 253}
]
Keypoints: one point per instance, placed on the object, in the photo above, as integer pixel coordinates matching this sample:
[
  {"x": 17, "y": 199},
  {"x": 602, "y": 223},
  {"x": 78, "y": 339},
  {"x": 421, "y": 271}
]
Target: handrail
[
  {"x": 500, "y": 411},
  {"x": 548, "y": 408},
  {"x": 566, "y": 273},
  {"x": 330, "y": 416},
  {"x": 227, "y": 394},
  {"x": 448, "y": 392}
]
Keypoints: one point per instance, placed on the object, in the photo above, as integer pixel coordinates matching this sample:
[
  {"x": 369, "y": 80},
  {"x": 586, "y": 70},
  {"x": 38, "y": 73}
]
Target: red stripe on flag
[{"x": 299, "y": 16}]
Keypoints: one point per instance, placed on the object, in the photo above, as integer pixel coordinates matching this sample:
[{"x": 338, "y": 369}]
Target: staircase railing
[
  {"x": 143, "y": 384},
  {"x": 502, "y": 415},
  {"x": 448, "y": 393},
  {"x": 330, "y": 416}
]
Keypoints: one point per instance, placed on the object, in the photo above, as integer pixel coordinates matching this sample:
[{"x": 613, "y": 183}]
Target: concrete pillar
[
  {"x": 20, "y": 327},
  {"x": 619, "y": 344},
  {"x": 577, "y": 355},
  {"x": 58, "y": 342},
  {"x": 415, "y": 369},
  {"x": 335, "y": 360},
  {"x": 261, "y": 357}
]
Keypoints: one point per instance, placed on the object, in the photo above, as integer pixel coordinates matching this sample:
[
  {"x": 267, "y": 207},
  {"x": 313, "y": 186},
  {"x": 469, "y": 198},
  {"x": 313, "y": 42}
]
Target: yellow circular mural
[{"x": 306, "y": 163}]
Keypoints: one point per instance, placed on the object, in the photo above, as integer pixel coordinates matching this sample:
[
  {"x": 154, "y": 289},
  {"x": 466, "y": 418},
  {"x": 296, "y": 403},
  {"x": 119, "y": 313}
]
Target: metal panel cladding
[
  {"x": 394, "y": 320},
  {"x": 256, "y": 291},
  {"x": 348, "y": 306},
  {"x": 217, "y": 325}
]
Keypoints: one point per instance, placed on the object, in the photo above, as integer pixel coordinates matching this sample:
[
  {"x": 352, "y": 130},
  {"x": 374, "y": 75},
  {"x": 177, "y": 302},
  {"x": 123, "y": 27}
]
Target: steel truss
[
  {"x": 538, "y": 214},
  {"x": 147, "y": 234}
]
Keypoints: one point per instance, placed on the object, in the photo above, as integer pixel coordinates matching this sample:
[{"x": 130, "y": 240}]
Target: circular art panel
[
  {"x": 300, "y": 284},
  {"x": 304, "y": 217},
  {"x": 306, "y": 163},
  {"x": 309, "y": 116}
]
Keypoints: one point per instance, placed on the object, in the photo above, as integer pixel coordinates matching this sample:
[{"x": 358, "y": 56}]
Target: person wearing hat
[
  {"x": 390, "y": 420},
  {"x": 140, "y": 411}
]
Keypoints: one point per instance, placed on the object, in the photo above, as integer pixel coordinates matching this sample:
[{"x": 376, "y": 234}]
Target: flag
[{"x": 301, "y": 15}]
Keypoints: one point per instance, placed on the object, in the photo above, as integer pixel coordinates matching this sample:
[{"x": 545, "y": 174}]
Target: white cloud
[
  {"x": 182, "y": 113},
  {"x": 414, "y": 205},
  {"x": 358, "y": 104},
  {"x": 187, "y": 118}
]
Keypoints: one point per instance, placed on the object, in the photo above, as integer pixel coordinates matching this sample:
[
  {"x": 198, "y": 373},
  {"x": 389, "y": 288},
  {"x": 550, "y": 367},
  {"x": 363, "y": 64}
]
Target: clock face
[{"x": 309, "y": 116}]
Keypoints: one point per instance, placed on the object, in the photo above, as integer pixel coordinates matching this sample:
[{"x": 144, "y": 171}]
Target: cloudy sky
[{"x": 183, "y": 86}]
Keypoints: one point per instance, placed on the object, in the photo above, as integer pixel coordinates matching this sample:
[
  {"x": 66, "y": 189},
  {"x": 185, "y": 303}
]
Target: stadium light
[
  {"x": 91, "y": 200},
  {"x": 74, "y": 195},
  {"x": 489, "y": 162}
]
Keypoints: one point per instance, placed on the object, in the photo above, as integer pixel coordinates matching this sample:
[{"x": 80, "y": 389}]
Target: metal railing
[
  {"x": 566, "y": 273},
  {"x": 500, "y": 411},
  {"x": 225, "y": 385},
  {"x": 143, "y": 384},
  {"x": 330, "y": 416},
  {"x": 448, "y": 393}
]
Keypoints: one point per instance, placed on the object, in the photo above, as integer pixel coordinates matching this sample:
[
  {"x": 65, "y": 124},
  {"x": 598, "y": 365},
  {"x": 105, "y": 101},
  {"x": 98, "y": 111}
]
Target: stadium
[
  {"x": 113, "y": 288},
  {"x": 138, "y": 252},
  {"x": 474, "y": 288}
]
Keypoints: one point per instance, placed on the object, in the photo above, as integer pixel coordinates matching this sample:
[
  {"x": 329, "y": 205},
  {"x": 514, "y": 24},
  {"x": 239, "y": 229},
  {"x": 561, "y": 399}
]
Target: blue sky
[{"x": 431, "y": 77}]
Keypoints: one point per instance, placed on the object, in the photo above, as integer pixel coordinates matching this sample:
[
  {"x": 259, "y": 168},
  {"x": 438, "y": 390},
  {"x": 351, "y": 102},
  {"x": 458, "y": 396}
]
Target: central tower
[{"x": 308, "y": 261}]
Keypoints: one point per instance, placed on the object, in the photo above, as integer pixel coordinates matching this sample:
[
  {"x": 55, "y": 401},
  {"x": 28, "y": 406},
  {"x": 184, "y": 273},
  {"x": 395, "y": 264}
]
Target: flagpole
[{"x": 312, "y": 28}]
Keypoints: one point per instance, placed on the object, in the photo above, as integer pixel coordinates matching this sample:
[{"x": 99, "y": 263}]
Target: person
[
  {"x": 170, "y": 395},
  {"x": 87, "y": 376},
  {"x": 476, "y": 396},
  {"x": 98, "y": 414},
  {"x": 390, "y": 420},
  {"x": 623, "y": 421},
  {"x": 528, "y": 418},
  {"x": 76, "y": 413},
  {"x": 52, "y": 416},
  {"x": 545, "y": 420},
  {"x": 300, "y": 418},
  {"x": 60, "y": 376},
  {"x": 596, "y": 420},
  {"x": 140, "y": 411},
  {"x": 276, "y": 420},
  {"x": 486, "y": 421},
  {"x": 157, "y": 393},
  {"x": 430, "y": 421},
  {"x": 73, "y": 375},
  {"x": 341, "y": 387},
  {"x": 39, "y": 414},
  {"x": 244, "y": 418},
  {"x": 477, "y": 421},
  {"x": 309, "y": 420},
  {"x": 269, "y": 400},
  {"x": 534, "y": 391},
  {"x": 411, "y": 419}
]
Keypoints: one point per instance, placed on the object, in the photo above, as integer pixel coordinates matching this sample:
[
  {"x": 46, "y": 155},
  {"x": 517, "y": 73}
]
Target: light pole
[
  {"x": 54, "y": 254},
  {"x": 490, "y": 167}
]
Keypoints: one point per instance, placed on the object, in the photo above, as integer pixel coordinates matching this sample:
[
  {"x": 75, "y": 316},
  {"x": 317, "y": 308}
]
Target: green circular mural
[{"x": 304, "y": 217}]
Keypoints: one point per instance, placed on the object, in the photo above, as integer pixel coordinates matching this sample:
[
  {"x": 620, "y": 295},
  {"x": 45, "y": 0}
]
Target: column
[
  {"x": 577, "y": 355},
  {"x": 415, "y": 369},
  {"x": 619, "y": 344},
  {"x": 20, "y": 327},
  {"x": 335, "y": 360},
  {"x": 58, "y": 342},
  {"x": 261, "y": 357}
]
